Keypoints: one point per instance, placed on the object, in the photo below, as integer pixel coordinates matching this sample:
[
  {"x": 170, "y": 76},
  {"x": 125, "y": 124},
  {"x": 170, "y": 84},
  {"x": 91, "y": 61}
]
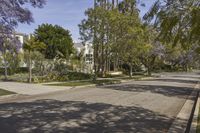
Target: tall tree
[
  {"x": 105, "y": 28},
  {"x": 58, "y": 41},
  {"x": 9, "y": 49},
  {"x": 30, "y": 46},
  {"x": 13, "y": 12},
  {"x": 178, "y": 20}
]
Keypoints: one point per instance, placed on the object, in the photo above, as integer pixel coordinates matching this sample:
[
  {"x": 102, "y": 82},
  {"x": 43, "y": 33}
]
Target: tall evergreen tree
[
  {"x": 58, "y": 41},
  {"x": 106, "y": 27}
]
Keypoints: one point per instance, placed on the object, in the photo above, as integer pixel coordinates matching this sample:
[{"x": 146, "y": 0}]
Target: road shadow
[
  {"x": 178, "y": 80},
  {"x": 166, "y": 90},
  {"x": 50, "y": 116},
  {"x": 187, "y": 76}
]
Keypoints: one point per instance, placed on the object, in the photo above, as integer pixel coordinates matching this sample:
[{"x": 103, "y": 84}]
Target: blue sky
[{"x": 66, "y": 13}]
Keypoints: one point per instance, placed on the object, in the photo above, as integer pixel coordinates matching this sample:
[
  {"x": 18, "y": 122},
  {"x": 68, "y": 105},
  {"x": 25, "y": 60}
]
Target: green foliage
[
  {"x": 78, "y": 76},
  {"x": 31, "y": 46},
  {"x": 10, "y": 55},
  {"x": 56, "y": 77},
  {"x": 58, "y": 41},
  {"x": 18, "y": 77},
  {"x": 79, "y": 83},
  {"x": 112, "y": 30},
  {"x": 22, "y": 70},
  {"x": 77, "y": 60},
  {"x": 178, "y": 21},
  {"x": 61, "y": 68},
  {"x": 39, "y": 63},
  {"x": 10, "y": 71},
  {"x": 83, "y": 83},
  {"x": 13, "y": 62}
]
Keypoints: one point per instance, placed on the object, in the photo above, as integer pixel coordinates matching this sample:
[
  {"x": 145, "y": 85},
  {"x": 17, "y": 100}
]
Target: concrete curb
[
  {"x": 194, "y": 123},
  {"x": 180, "y": 123}
]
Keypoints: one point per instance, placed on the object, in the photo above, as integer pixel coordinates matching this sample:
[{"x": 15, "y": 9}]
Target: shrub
[
  {"x": 21, "y": 77},
  {"x": 78, "y": 76},
  {"x": 22, "y": 70},
  {"x": 2, "y": 71},
  {"x": 61, "y": 68},
  {"x": 18, "y": 70}
]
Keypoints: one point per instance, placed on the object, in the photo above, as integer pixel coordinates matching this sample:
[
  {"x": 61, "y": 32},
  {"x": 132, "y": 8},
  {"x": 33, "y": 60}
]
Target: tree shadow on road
[
  {"x": 187, "y": 76},
  {"x": 166, "y": 90},
  {"x": 52, "y": 116},
  {"x": 179, "y": 80}
]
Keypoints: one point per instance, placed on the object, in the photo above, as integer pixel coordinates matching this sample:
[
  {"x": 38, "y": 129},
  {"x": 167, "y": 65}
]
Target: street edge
[
  {"x": 194, "y": 123},
  {"x": 183, "y": 120}
]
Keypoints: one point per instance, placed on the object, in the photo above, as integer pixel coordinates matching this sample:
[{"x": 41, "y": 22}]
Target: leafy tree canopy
[
  {"x": 178, "y": 20},
  {"x": 58, "y": 41},
  {"x": 32, "y": 44},
  {"x": 13, "y": 12}
]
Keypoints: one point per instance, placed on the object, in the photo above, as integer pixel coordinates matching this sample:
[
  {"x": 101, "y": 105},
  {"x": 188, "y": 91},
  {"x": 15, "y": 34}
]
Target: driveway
[{"x": 137, "y": 106}]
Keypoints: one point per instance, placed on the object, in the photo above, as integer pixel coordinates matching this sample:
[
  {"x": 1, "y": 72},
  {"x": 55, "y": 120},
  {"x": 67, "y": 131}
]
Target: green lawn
[
  {"x": 138, "y": 77},
  {"x": 4, "y": 92},
  {"x": 82, "y": 83}
]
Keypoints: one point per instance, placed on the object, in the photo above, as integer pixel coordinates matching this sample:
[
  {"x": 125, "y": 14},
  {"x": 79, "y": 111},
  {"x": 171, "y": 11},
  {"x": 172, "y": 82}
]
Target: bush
[
  {"x": 21, "y": 77},
  {"x": 18, "y": 70},
  {"x": 52, "y": 76},
  {"x": 61, "y": 78},
  {"x": 78, "y": 76},
  {"x": 2, "y": 71},
  {"x": 61, "y": 68},
  {"x": 22, "y": 70}
]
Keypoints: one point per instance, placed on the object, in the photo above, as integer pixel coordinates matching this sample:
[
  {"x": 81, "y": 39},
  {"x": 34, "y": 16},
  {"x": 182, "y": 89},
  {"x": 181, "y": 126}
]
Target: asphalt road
[{"x": 137, "y": 106}]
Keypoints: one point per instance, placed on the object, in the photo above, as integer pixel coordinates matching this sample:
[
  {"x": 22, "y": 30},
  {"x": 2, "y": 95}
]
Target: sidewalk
[
  {"x": 183, "y": 119},
  {"x": 30, "y": 89}
]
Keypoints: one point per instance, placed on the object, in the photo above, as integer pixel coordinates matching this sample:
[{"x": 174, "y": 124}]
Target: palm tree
[{"x": 30, "y": 46}]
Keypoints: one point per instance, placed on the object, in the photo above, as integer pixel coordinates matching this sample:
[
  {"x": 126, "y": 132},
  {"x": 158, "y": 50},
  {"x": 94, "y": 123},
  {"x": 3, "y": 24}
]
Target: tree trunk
[
  {"x": 114, "y": 64},
  {"x": 30, "y": 68},
  {"x": 149, "y": 71},
  {"x": 5, "y": 66},
  {"x": 113, "y": 4},
  {"x": 95, "y": 3},
  {"x": 96, "y": 47},
  {"x": 186, "y": 68},
  {"x": 150, "y": 65},
  {"x": 131, "y": 70},
  {"x": 6, "y": 72}
]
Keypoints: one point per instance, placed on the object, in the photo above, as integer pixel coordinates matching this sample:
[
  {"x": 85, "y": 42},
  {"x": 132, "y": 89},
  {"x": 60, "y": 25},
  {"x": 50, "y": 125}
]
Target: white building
[
  {"x": 87, "y": 54},
  {"x": 20, "y": 37}
]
